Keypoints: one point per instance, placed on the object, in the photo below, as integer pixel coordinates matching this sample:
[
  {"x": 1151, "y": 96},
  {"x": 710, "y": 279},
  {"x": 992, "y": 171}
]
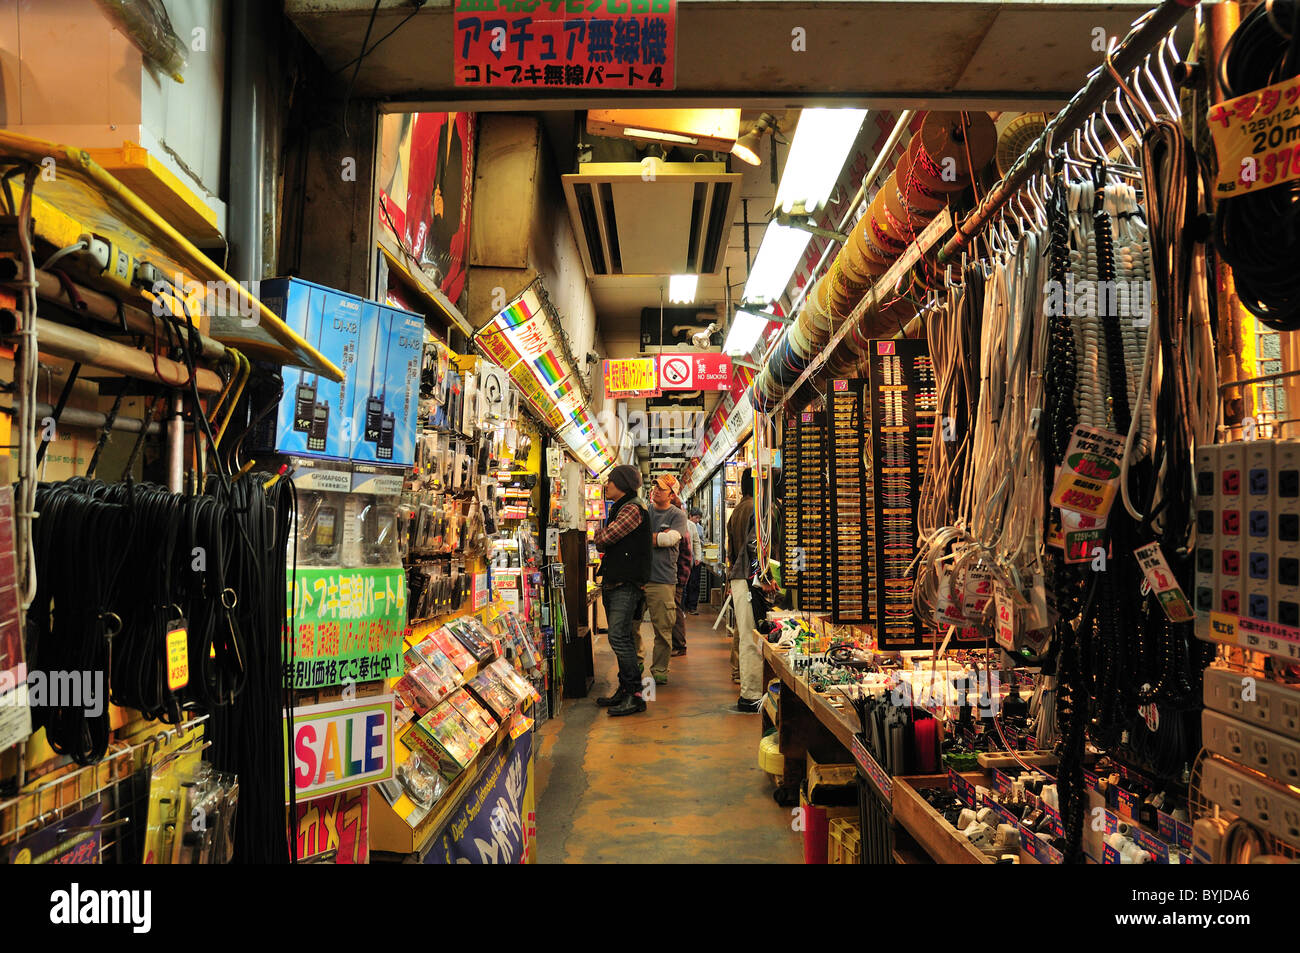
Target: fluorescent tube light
[
  {"x": 681, "y": 288},
  {"x": 661, "y": 136},
  {"x": 745, "y": 330},
  {"x": 779, "y": 254},
  {"x": 822, "y": 141}
]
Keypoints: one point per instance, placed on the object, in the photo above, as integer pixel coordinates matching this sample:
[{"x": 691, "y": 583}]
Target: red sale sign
[
  {"x": 694, "y": 372},
  {"x": 566, "y": 44}
]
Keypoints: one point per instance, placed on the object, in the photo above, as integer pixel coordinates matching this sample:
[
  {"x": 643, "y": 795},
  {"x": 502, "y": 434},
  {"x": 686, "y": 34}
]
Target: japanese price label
[
  {"x": 1087, "y": 481},
  {"x": 1082, "y": 535},
  {"x": 1005, "y": 607},
  {"x": 1257, "y": 139},
  {"x": 977, "y": 593},
  {"x": 1161, "y": 580},
  {"x": 566, "y": 44}
]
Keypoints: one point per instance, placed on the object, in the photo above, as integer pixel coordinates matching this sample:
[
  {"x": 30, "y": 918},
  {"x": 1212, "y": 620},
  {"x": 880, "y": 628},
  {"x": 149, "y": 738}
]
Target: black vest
[{"x": 627, "y": 559}]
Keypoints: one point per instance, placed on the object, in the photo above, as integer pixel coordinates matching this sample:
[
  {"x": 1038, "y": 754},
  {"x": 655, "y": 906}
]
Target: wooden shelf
[
  {"x": 932, "y": 833},
  {"x": 418, "y": 282},
  {"x": 84, "y": 196}
]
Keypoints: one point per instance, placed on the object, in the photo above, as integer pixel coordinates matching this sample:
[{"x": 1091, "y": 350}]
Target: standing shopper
[
  {"x": 685, "y": 559},
  {"x": 668, "y": 532},
  {"x": 741, "y": 550},
  {"x": 697, "y": 562},
  {"x": 624, "y": 541}
]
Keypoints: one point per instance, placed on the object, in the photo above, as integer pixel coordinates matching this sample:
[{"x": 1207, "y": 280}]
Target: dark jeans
[
  {"x": 621, "y": 604},
  {"x": 693, "y": 588},
  {"x": 679, "y": 624}
]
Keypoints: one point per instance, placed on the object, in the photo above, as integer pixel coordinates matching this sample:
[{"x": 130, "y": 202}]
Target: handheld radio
[
  {"x": 304, "y": 405},
  {"x": 375, "y": 404}
]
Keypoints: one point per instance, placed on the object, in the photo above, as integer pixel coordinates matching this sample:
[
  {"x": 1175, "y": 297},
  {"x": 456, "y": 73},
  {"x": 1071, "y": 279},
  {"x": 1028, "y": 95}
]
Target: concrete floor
[{"x": 678, "y": 784}]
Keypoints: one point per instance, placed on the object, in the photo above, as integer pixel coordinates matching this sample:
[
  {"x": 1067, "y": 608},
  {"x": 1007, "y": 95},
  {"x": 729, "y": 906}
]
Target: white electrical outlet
[
  {"x": 1258, "y": 701},
  {"x": 1258, "y": 801},
  {"x": 1265, "y": 751}
]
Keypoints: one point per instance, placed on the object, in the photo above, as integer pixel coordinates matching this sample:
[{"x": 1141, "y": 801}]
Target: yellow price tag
[
  {"x": 178, "y": 658},
  {"x": 1257, "y": 139}
]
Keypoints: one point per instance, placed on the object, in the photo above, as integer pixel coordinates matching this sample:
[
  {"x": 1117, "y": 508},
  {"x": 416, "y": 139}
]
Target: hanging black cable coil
[{"x": 1258, "y": 233}]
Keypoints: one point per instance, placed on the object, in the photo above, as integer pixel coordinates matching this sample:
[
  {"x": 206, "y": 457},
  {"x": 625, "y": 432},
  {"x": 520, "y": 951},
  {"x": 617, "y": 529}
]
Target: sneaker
[
  {"x": 606, "y": 701},
  {"x": 748, "y": 704},
  {"x": 631, "y": 705},
  {"x": 678, "y": 652},
  {"x": 661, "y": 679}
]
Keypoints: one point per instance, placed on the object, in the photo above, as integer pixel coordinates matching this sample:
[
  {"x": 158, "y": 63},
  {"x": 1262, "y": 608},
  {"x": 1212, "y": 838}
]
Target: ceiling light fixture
[
  {"x": 822, "y": 141},
  {"x": 779, "y": 254},
  {"x": 681, "y": 288},
  {"x": 745, "y": 331},
  {"x": 747, "y": 146}
]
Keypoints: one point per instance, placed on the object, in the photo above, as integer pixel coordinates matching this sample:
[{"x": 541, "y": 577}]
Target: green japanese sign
[{"x": 347, "y": 624}]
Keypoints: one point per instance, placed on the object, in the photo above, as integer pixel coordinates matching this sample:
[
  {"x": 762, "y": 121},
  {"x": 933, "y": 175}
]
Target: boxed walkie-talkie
[
  {"x": 315, "y": 414},
  {"x": 323, "y": 494},
  {"x": 390, "y": 355}
]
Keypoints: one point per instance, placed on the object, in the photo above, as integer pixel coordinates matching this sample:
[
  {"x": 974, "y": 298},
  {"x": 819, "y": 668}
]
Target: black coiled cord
[{"x": 1258, "y": 233}]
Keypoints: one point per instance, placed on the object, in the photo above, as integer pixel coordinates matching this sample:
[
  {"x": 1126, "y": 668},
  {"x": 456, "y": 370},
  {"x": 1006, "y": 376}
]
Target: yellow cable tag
[{"x": 178, "y": 658}]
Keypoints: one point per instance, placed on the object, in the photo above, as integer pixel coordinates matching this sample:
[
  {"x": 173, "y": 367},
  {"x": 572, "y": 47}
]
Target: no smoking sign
[{"x": 694, "y": 371}]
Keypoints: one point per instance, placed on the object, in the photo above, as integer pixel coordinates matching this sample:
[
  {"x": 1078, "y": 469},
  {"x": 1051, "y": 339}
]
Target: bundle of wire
[{"x": 1258, "y": 233}]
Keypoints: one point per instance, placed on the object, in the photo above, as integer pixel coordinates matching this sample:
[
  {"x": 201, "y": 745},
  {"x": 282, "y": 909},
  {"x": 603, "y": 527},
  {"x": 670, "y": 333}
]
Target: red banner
[
  {"x": 566, "y": 44},
  {"x": 694, "y": 371}
]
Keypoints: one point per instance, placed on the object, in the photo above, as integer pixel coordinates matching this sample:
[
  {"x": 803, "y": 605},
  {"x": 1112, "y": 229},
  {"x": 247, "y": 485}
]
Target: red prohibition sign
[{"x": 676, "y": 370}]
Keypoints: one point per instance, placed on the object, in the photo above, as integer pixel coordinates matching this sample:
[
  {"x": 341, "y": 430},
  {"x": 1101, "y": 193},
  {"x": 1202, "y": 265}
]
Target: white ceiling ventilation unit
[{"x": 652, "y": 217}]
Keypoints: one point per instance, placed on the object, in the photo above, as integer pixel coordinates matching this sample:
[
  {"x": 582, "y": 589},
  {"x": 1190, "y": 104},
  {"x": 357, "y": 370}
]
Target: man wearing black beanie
[{"x": 624, "y": 542}]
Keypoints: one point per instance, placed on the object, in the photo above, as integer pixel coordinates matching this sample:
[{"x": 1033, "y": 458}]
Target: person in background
[
  {"x": 742, "y": 549},
  {"x": 624, "y": 542},
  {"x": 692, "y": 602},
  {"x": 669, "y": 533},
  {"x": 685, "y": 559}
]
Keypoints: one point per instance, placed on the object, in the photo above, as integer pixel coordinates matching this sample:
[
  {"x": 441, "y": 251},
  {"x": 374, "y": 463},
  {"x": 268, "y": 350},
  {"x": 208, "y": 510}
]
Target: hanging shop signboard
[
  {"x": 340, "y": 745},
  {"x": 426, "y": 179},
  {"x": 348, "y": 624},
  {"x": 631, "y": 377},
  {"x": 337, "y": 823},
  {"x": 496, "y": 822},
  {"x": 694, "y": 371},
  {"x": 566, "y": 44},
  {"x": 1257, "y": 139}
]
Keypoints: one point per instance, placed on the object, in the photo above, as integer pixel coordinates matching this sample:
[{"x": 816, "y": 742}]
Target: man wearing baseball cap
[
  {"x": 624, "y": 542},
  {"x": 669, "y": 533}
]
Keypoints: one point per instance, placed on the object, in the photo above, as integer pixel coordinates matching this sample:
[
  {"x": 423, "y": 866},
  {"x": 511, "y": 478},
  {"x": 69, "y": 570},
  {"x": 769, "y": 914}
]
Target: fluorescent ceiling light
[
  {"x": 746, "y": 329},
  {"x": 661, "y": 136},
  {"x": 779, "y": 254},
  {"x": 681, "y": 288},
  {"x": 822, "y": 141}
]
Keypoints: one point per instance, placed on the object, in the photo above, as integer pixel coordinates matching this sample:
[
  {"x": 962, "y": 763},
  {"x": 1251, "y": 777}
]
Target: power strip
[
  {"x": 1251, "y": 797},
  {"x": 1258, "y": 701},
  {"x": 1266, "y": 752}
]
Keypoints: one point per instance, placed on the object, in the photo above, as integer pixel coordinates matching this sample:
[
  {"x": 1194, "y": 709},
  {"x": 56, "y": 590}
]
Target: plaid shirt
[{"x": 628, "y": 519}]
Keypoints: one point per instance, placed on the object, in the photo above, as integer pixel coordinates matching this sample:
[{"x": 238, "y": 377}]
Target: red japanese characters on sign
[{"x": 572, "y": 44}]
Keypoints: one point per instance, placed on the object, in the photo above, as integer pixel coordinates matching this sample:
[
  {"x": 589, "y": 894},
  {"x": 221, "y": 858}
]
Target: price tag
[
  {"x": 1109, "y": 855},
  {"x": 178, "y": 656},
  {"x": 978, "y": 592},
  {"x": 1088, "y": 480},
  {"x": 1161, "y": 580},
  {"x": 962, "y": 788},
  {"x": 1257, "y": 139},
  {"x": 1001, "y": 783},
  {"x": 1126, "y": 801},
  {"x": 1006, "y": 616},
  {"x": 1056, "y": 828},
  {"x": 1082, "y": 535},
  {"x": 1158, "y": 850}
]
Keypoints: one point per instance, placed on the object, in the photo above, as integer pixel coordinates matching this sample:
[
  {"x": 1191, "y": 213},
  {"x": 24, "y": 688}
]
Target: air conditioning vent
[{"x": 652, "y": 217}]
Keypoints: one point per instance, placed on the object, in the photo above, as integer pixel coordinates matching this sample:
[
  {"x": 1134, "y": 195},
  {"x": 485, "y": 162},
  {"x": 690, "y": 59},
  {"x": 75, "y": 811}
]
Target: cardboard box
[
  {"x": 832, "y": 784},
  {"x": 387, "y": 393},
  {"x": 315, "y": 417}
]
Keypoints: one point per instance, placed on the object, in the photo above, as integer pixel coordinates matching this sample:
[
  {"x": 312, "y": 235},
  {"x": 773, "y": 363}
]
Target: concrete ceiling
[{"x": 989, "y": 54}]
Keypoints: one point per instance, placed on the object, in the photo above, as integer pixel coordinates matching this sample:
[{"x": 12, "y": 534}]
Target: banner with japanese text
[
  {"x": 631, "y": 377},
  {"x": 337, "y": 823},
  {"x": 494, "y": 825},
  {"x": 348, "y": 624},
  {"x": 566, "y": 44}
]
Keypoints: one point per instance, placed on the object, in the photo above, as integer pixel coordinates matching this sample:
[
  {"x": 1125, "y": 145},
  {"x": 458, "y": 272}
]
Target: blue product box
[
  {"x": 315, "y": 417},
  {"x": 387, "y": 393}
]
